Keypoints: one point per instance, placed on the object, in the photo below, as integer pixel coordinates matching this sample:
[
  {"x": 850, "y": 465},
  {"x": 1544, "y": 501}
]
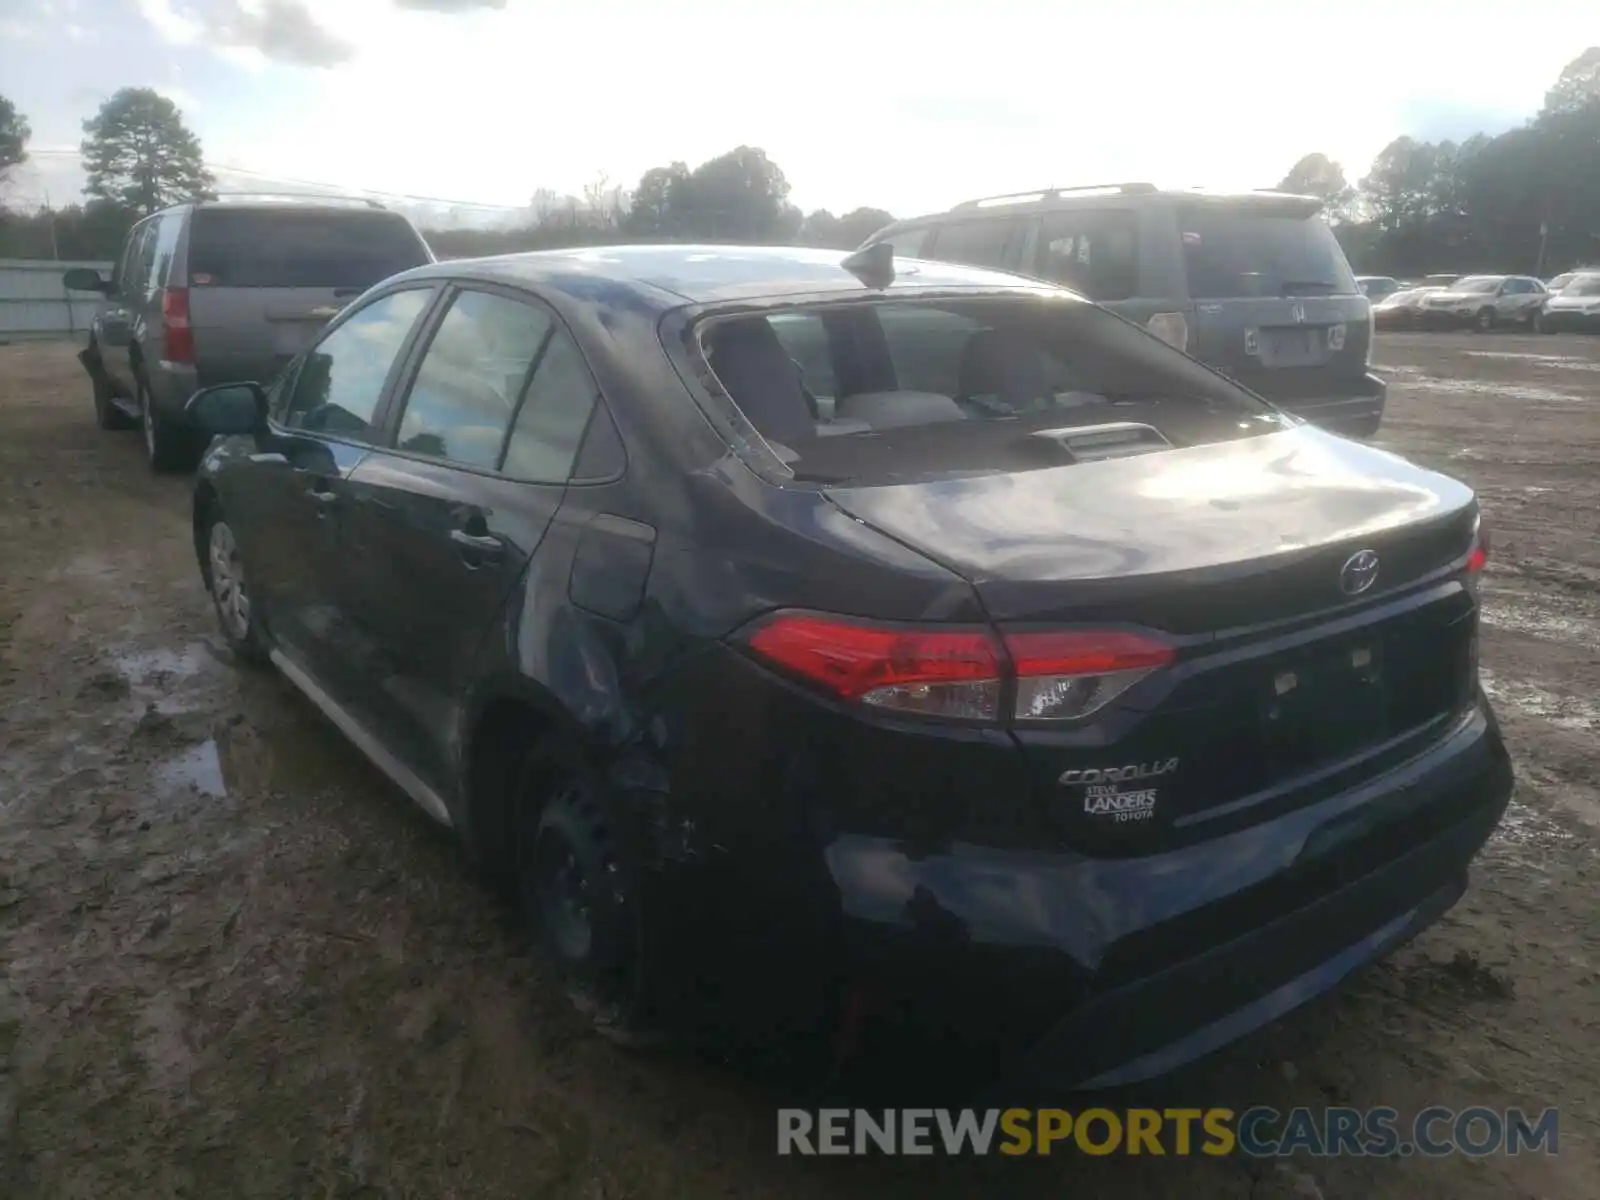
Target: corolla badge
[{"x": 1359, "y": 573}]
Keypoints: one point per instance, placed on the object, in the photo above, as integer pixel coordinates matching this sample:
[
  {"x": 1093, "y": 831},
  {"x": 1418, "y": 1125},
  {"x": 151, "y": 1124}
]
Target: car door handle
[
  {"x": 322, "y": 494},
  {"x": 476, "y": 548}
]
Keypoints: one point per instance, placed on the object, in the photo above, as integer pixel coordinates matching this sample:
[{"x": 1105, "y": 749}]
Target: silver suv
[
  {"x": 1253, "y": 284},
  {"x": 224, "y": 290}
]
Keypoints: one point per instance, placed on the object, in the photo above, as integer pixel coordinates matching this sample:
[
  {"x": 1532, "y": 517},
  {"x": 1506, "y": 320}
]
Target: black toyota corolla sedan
[{"x": 796, "y": 633}]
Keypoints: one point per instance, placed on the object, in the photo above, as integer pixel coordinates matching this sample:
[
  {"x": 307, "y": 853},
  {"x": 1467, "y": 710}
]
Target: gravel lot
[{"x": 235, "y": 962}]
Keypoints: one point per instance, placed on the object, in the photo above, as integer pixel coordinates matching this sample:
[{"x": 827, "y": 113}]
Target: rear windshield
[
  {"x": 1233, "y": 253},
  {"x": 252, "y": 248},
  {"x": 890, "y": 390}
]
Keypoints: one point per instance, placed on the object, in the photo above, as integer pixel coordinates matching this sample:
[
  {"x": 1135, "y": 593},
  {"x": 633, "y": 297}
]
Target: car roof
[
  {"x": 670, "y": 276},
  {"x": 1057, "y": 199}
]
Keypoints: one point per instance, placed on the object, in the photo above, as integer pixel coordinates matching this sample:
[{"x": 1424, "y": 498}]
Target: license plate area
[
  {"x": 1294, "y": 347},
  {"x": 1320, "y": 705}
]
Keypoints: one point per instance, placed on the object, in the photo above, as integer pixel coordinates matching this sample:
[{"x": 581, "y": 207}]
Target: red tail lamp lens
[
  {"x": 959, "y": 673},
  {"x": 1478, "y": 556},
  {"x": 175, "y": 316}
]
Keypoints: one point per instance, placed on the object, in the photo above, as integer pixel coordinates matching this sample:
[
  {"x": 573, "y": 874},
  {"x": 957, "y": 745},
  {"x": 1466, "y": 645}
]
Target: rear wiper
[{"x": 1293, "y": 286}]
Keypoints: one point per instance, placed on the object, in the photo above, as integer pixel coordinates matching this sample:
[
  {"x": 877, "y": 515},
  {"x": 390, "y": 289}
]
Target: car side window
[
  {"x": 996, "y": 242},
  {"x": 339, "y": 381},
  {"x": 555, "y": 411},
  {"x": 470, "y": 379},
  {"x": 165, "y": 241},
  {"x": 1095, "y": 253},
  {"x": 910, "y": 243},
  {"x": 127, "y": 281}
]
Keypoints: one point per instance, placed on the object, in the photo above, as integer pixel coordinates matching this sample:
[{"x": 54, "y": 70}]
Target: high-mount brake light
[{"x": 955, "y": 673}]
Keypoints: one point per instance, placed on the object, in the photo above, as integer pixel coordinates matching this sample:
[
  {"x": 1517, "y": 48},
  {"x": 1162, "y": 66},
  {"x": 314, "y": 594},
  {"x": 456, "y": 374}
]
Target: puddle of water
[
  {"x": 139, "y": 666},
  {"x": 1506, "y": 391},
  {"x": 1553, "y": 360},
  {"x": 1564, "y": 712},
  {"x": 199, "y": 767},
  {"x": 1527, "y": 835},
  {"x": 1539, "y": 617}
]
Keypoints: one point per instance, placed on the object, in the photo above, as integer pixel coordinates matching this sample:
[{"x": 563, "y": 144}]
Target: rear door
[
  {"x": 444, "y": 521},
  {"x": 114, "y": 324},
  {"x": 1276, "y": 306},
  {"x": 264, "y": 280}
]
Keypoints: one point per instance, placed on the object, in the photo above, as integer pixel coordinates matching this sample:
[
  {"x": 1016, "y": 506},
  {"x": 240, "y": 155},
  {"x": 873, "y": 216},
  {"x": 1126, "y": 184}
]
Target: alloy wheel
[{"x": 227, "y": 581}]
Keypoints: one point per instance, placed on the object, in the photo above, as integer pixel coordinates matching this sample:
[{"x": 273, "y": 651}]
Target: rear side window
[
  {"x": 340, "y": 381},
  {"x": 554, "y": 413},
  {"x": 1234, "y": 252},
  {"x": 260, "y": 248},
  {"x": 1093, "y": 253},
  {"x": 995, "y": 243},
  {"x": 471, "y": 378},
  {"x": 166, "y": 242},
  {"x": 805, "y": 338},
  {"x": 909, "y": 243}
]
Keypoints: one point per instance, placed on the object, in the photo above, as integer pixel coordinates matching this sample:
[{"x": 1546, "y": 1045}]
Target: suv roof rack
[
  {"x": 1034, "y": 197},
  {"x": 297, "y": 197}
]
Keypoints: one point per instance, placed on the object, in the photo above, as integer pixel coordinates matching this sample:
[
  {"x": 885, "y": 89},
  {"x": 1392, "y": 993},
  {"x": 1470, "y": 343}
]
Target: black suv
[
  {"x": 1253, "y": 284},
  {"x": 999, "y": 664}
]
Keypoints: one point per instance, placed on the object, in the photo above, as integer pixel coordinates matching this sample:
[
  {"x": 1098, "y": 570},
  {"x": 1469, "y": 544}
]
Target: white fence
[{"x": 34, "y": 304}]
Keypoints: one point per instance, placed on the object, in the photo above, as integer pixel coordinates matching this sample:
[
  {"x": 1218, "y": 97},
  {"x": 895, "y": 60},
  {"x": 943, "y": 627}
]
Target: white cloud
[{"x": 861, "y": 103}]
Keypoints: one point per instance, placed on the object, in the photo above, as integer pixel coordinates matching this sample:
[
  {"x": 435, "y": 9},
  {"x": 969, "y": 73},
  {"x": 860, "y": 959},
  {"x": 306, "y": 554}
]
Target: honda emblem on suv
[
  {"x": 1298, "y": 312},
  {"x": 1360, "y": 572}
]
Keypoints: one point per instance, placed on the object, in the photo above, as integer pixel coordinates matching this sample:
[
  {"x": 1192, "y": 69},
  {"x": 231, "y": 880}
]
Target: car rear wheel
[
  {"x": 168, "y": 448},
  {"x": 230, "y": 591},
  {"x": 1484, "y": 320},
  {"x": 575, "y": 896}
]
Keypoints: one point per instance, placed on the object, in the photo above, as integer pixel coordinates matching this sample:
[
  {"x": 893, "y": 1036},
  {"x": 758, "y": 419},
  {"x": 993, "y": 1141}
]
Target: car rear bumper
[
  {"x": 1082, "y": 972},
  {"x": 1356, "y": 414}
]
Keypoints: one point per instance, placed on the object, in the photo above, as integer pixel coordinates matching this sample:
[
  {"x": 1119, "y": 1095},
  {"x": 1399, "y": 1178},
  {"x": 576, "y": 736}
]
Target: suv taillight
[
  {"x": 175, "y": 317},
  {"x": 960, "y": 674},
  {"x": 1478, "y": 556}
]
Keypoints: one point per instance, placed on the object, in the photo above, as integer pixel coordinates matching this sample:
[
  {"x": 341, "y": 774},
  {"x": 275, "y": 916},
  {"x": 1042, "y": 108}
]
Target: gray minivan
[
  {"x": 223, "y": 290},
  {"x": 1254, "y": 284}
]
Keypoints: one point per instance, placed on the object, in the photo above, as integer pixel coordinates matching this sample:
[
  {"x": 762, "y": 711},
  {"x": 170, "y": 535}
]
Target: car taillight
[
  {"x": 1071, "y": 673},
  {"x": 1478, "y": 556},
  {"x": 175, "y": 316},
  {"x": 959, "y": 674}
]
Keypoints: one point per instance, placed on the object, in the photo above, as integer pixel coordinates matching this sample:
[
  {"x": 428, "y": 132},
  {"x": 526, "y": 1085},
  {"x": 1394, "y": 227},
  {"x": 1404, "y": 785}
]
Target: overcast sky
[{"x": 908, "y": 107}]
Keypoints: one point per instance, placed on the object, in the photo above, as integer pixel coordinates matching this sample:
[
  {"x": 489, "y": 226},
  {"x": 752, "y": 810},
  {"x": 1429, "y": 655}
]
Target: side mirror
[
  {"x": 228, "y": 408},
  {"x": 85, "y": 279}
]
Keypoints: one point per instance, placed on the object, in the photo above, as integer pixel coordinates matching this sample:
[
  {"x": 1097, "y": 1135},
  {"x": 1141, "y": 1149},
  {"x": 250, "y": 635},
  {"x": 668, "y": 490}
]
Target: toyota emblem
[{"x": 1359, "y": 573}]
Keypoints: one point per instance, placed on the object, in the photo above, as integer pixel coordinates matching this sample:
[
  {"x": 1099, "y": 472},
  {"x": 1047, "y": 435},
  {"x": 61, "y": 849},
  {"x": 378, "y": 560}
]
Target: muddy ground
[{"x": 235, "y": 962}]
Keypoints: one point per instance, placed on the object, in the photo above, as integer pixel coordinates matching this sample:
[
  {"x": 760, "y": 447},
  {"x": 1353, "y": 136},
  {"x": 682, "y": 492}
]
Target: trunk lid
[{"x": 1283, "y": 684}]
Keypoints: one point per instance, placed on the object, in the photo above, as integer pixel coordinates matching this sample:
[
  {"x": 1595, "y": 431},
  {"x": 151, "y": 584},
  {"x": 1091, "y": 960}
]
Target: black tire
[
  {"x": 222, "y": 568},
  {"x": 1540, "y": 325},
  {"x": 576, "y": 897},
  {"x": 169, "y": 449},
  {"x": 106, "y": 414},
  {"x": 1484, "y": 321}
]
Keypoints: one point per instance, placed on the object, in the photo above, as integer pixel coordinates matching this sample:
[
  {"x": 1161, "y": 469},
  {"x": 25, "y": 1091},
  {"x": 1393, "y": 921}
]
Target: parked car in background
[
  {"x": 226, "y": 289},
  {"x": 1253, "y": 284},
  {"x": 1558, "y": 282},
  {"x": 1484, "y": 302},
  {"x": 1443, "y": 281},
  {"x": 789, "y": 628},
  {"x": 1376, "y": 287},
  {"x": 1398, "y": 310},
  {"x": 1575, "y": 307}
]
